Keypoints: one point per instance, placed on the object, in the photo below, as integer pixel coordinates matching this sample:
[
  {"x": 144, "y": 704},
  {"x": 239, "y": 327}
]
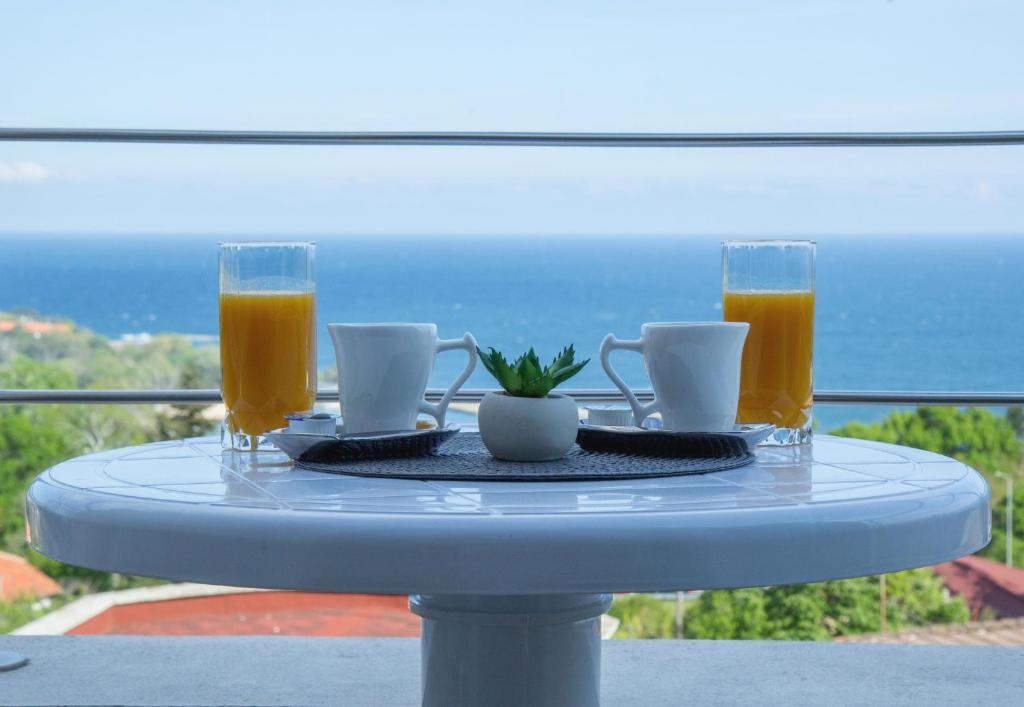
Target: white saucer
[{"x": 303, "y": 446}]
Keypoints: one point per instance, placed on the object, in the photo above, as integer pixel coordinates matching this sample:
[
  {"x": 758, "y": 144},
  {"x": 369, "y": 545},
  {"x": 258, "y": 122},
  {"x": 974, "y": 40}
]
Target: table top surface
[{"x": 189, "y": 511}]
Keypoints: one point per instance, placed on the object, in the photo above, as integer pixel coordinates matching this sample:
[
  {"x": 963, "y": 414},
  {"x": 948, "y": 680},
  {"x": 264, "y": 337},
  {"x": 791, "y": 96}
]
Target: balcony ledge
[{"x": 146, "y": 671}]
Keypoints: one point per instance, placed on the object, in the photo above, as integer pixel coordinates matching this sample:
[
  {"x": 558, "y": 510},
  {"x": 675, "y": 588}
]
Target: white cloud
[{"x": 22, "y": 171}]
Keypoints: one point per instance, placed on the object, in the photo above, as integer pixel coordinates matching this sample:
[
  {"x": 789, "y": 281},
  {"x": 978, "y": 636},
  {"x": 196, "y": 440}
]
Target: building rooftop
[
  {"x": 204, "y": 610},
  {"x": 984, "y": 583},
  {"x": 20, "y": 579},
  {"x": 260, "y": 613}
]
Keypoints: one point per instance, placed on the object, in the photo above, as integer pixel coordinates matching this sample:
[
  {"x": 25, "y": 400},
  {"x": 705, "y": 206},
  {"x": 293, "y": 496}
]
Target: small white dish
[{"x": 321, "y": 423}]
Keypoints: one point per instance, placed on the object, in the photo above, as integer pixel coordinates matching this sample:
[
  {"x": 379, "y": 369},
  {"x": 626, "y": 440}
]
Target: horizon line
[{"x": 305, "y": 235}]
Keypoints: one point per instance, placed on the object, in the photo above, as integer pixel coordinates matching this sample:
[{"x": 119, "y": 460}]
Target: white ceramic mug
[
  {"x": 383, "y": 371},
  {"x": 694, "y": 369}
]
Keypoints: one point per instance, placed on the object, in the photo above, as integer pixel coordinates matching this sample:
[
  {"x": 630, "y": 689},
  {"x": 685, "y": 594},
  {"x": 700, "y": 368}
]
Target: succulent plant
[{"x": 525, "y": 378}]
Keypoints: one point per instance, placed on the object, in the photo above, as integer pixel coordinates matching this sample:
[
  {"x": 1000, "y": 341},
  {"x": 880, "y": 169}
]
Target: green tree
[
  {"x": 996, "y": 549},
  {"x": 823, "y": 610},
  {"x": 1015, "y": 418},
  {"x": 35, "y": 437},
  {"x": 643, "y": 616},
  {"x": 28, "y": 444},
  {"x": 737, "y": 613},
  {"x": 24, "y": 372},
  {"x": 918, "y": 597},
  {"x": 102, "y": 427},
  {"x": 32, "y": 438},
  {"x": 19, "y": 612},
  {"x": 182, "y": 421}
]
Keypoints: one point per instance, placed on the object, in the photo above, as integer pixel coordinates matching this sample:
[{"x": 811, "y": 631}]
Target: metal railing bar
[
  {"x": 590, "y": 395},
  {"x": 536, "y": 139}
]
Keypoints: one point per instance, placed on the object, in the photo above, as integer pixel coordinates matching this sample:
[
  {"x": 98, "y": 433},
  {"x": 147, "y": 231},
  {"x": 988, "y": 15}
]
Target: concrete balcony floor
[{"x": 357, "y": 672}]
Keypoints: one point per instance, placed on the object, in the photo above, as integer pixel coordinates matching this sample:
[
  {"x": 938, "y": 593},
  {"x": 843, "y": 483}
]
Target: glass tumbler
[
  {"x": 267, "y": 338},
  {"x": 770, "y": 285}
]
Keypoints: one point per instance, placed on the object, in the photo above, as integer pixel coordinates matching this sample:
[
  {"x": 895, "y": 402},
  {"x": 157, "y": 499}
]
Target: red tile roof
[
  {"x": 20, "y": 579},
  {"x": 34, "y": 327},
  {"x": 251, "y": 613},
  {"x": 984, "y": 583}
]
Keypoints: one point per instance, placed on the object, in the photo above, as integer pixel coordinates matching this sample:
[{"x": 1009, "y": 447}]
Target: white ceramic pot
[{"x": 528, "y": 429}]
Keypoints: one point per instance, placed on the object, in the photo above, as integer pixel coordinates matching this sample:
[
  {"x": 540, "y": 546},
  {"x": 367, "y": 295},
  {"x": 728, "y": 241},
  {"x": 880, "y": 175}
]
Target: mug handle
[
  {"x": 468, "y": 343},
  {"x": 610, "y": 343}
]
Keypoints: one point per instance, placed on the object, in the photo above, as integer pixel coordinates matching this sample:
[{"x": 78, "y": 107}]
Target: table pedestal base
[{"x": 543, "y": 651}]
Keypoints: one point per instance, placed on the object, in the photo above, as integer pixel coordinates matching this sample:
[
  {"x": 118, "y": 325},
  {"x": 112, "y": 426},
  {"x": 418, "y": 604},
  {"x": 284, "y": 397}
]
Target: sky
[{"x": 578, "y": 66}]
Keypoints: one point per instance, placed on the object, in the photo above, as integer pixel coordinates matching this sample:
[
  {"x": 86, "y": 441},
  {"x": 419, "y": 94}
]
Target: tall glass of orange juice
[
  {"x": 770, "y": 285},
  {"x": 267, "y": 337}
]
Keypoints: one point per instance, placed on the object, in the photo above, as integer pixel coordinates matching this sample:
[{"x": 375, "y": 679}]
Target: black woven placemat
[
  {"x": 465, "y": 458},
  {"x": 655, "y": 443}
]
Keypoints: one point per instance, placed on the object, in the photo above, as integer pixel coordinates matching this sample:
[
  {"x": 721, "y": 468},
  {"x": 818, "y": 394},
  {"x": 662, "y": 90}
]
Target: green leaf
[
  {"x": 562, "y": 360},
  {"x": 498, "y": 367},
  {"x": 508, "y": 377},
  {"x": 529, "y": 367},
  {"x": 488, "y": 363},
  {"x": 538, "y": 387},
  {"x": 562, "y": 375},
  {"x": 533, "y": 359}
]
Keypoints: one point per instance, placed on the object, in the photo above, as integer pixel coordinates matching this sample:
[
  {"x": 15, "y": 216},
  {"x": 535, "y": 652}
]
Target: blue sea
[{"x": 893, "y": 313}]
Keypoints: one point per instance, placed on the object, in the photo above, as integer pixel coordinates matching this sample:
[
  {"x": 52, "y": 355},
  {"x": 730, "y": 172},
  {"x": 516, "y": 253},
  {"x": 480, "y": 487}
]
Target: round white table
[{"x": 510, "y": 578}]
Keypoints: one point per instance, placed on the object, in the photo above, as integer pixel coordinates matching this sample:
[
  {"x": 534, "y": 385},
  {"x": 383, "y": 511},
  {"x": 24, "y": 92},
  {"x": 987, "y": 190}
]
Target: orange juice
[
  {"x": 775, "y": 379},
  {"x": 267, "y": 358}
]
